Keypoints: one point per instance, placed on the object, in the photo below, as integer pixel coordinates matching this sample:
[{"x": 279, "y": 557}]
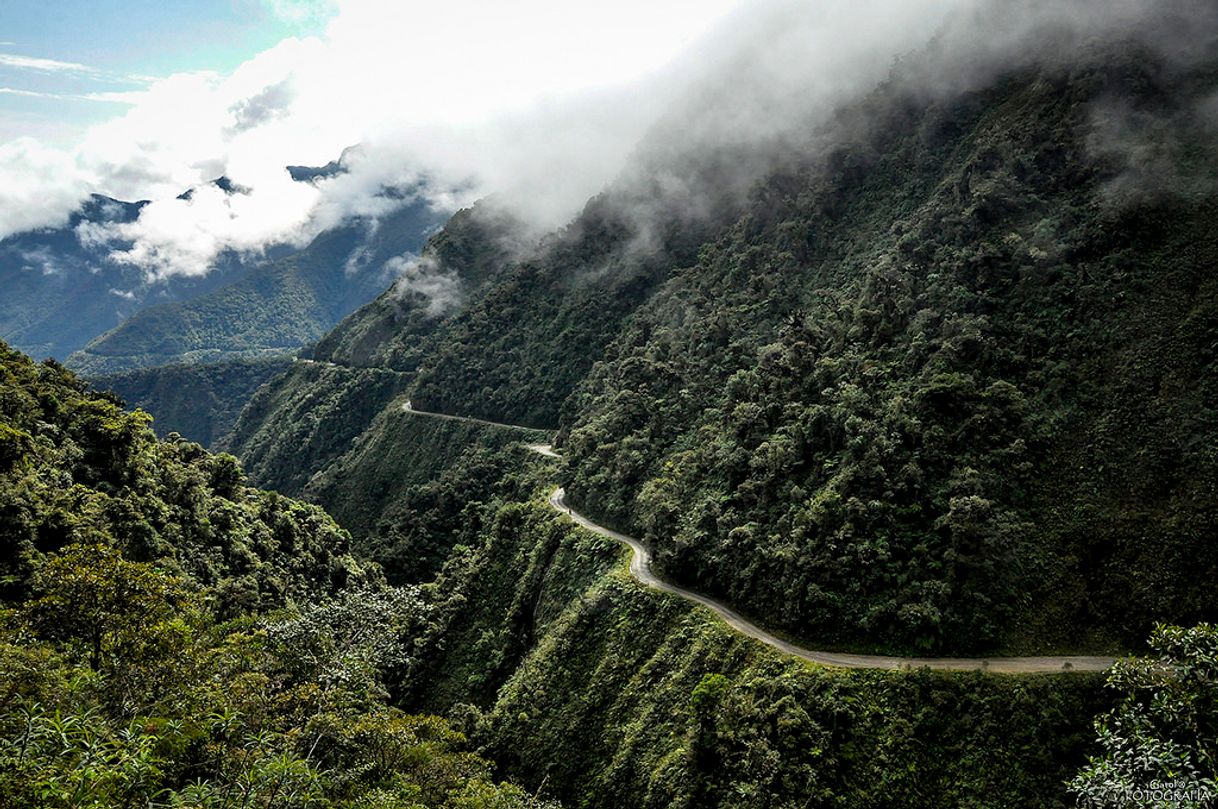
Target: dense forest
[
  {"x": 172, "y": 637},
  {"x": 936, "y": 376},
  {"x": 940, "y": 390},
  {"x": 942, "y": 383}
]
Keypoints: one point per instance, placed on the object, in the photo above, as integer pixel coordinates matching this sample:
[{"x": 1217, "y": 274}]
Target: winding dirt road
[
  {"x": 640, "y": 569},
  {"x": 409, "y": 408}
]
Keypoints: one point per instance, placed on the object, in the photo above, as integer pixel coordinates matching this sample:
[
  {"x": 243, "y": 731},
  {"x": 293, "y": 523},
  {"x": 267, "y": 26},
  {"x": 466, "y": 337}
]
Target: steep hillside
[
  {"x": 473, "y": 247},
  {"x": 580, "y": 682},
  {"x": 306, "y": 419},
  {"x": 62, "y": 290},
  {"x": 280, "y": 306},
  {"x": 951, "y": 388},
  {"x": 199, "y": 402},
  {"x": 169, "y": 636},
  {"x": 405, "y": 489},
  {"x": 943, "y": 385}
]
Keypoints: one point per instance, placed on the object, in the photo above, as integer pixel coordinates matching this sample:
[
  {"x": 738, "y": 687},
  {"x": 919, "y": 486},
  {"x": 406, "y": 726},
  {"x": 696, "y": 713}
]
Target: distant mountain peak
[{"x": 222, "y": 182}]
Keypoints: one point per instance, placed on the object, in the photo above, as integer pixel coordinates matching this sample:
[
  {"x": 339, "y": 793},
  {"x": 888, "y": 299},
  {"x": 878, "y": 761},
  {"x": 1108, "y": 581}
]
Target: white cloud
[
  {"x": 40, "y": 260},
  {"x": 13, "y": 91},
  {"x": 117, "y": 97},
  {"x": 39, "y": 187},
  {"x": 423, "y": 276},
  {"x": 42, "y": 65},
  {"x": 543, "y": 99},
  {"x": 456, "y": 92}
]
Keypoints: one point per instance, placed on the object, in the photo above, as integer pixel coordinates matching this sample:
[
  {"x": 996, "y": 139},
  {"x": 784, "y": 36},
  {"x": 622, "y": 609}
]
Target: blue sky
[
  {"x": 142, "y": 99},
  {"x": 122, "y": 43}
]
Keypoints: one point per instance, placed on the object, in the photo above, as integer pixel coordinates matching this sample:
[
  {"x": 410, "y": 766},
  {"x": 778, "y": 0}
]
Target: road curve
[
  {"x": 640, "y": 569},
  {"x": 409, "y": 408}
]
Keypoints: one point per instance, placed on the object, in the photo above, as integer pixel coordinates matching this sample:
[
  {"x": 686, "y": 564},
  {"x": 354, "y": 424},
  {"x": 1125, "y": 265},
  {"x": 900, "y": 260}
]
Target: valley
[{"x": 827, "y": 419}]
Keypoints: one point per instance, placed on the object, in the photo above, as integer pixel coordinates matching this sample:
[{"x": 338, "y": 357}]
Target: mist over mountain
[
  {"x": 61, "y": 291},
  {"x": 278, "y": 306},
  {"x": 811, "y": 415},
  {"x": 68, "y": 285}
]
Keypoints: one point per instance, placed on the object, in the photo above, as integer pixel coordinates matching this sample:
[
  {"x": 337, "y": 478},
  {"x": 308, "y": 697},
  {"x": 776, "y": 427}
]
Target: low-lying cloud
[
  {"x": 476, "y": 97},
  {"x": 424, "y": 276}
]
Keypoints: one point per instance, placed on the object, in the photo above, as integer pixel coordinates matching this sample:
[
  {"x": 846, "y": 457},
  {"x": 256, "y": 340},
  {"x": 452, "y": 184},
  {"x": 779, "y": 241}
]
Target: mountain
[
  {"x": 91, "y": 292},
  {"x": 941, "y": 382},
  {"x": 358, "y": 368},
  {"x": 278, "y": 307}
]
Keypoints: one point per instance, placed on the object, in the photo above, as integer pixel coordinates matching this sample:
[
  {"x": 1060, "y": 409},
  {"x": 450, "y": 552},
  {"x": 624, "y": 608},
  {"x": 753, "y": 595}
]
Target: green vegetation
[
  {"x": 404, "y": 489},
  {"x": 1164, "y": 732},
  {"x": 943, "y": 383},
  {"x": 77, "y": 468},
  {"x": 473, "y": 249},
  {"x": 307, "y": 417},
  {"x": 171, "y": 637},
  {"x": 569, "y": 674},
  {"x": 199, "y": 402},
  {"x": 279, "y": 306},
  {"x": 932, "y": 389},
  {"x": 939, "y": 391}
]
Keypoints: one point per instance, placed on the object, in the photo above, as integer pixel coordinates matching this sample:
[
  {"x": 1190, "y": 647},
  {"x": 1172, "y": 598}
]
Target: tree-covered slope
[
  {"x": 171, "y": 637},
  {"x": 456, "y": 266},
  {"x": 951, "y": 387},
  {"x": 581, "y": 682},
  {"x": 199, "y": 402},
  {"x": 77, "y": 468},
  {"x": 278, "y": 307},
  {"x": 942, "y": 380},
  {"x": 406, "y": 487}
]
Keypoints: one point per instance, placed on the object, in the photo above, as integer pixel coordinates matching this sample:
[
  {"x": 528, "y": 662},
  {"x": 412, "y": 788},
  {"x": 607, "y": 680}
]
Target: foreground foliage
[
  {"x": 119, "y": 689},
  {"x": 172, "y": 638},
  {"x": 1160, "y": 745}
]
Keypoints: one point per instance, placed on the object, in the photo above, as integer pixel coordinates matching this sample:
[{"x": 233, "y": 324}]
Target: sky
[
  {"x": 58, "y": 58},
  {"x": 542, "y": 102},
  {"x": 141, "y": 99}
]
